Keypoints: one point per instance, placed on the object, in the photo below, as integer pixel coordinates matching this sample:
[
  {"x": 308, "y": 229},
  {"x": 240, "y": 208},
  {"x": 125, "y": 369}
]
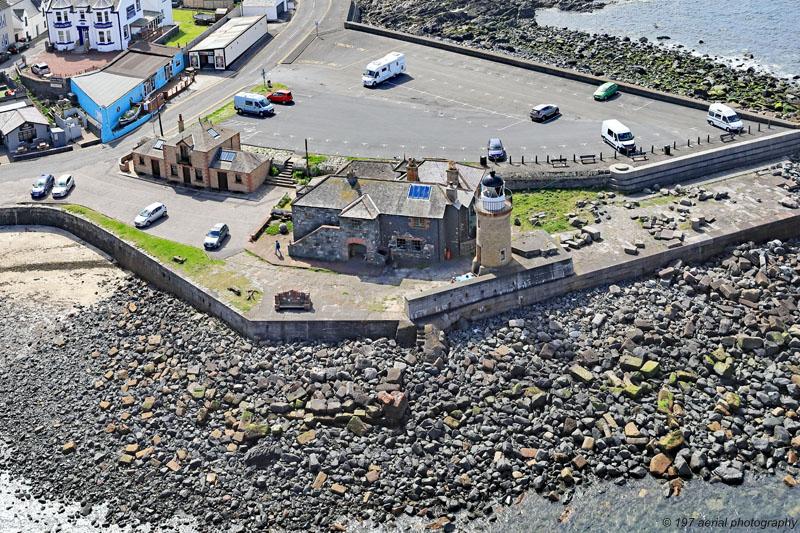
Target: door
[
  {"x": 187, "y": 178},
  {"x": 156, "y": 167},
  {"x": 357, "y": 250},
  {"x": 222, "y": 181}
]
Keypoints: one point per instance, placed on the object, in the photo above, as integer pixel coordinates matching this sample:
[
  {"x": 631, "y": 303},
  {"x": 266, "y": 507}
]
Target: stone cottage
[
  {"x": 407, "y": 214},
  {"x": 203, "y": 155}
]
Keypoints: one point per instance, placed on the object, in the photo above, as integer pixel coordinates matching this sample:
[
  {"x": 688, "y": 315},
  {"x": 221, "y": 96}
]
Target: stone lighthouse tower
[{"x": 493, "y": 241}]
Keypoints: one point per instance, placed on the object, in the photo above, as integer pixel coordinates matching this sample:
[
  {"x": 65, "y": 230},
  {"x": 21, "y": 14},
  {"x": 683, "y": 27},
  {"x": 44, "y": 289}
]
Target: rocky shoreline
[
  {"x": 511, "y": 29},
  {"x": 151, "y": 408}
]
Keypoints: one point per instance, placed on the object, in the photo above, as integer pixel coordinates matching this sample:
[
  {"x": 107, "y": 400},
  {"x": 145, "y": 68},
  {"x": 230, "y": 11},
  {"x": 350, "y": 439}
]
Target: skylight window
[
  {"x": 419, "y": 192},
  {"x": 212, "y": 132},
  {"x": 159, "y": 143},
  {"x": 225, "y": 155}
]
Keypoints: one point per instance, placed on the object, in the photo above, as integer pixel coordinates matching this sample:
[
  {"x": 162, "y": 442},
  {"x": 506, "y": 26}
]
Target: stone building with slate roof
[
  {"x": 202, "y": 155},
  {"x": 404, "y": 214}
]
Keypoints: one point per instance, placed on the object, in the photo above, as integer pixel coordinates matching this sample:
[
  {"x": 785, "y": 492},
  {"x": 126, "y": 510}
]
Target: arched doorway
[{"x": 356, "y": 251}]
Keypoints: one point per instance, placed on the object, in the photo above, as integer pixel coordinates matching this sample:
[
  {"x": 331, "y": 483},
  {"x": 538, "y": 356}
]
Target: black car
[
  {"x": 41, "y": 188},
  {"x": 18, "y": 47},
  {"x": 544, "y": 112}
]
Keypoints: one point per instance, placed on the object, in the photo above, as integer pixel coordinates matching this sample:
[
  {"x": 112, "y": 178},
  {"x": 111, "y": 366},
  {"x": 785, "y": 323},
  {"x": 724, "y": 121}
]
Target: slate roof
[
  {"x": 388, "y": 197},
  {"x": 243, "y": 162},
  {"x": 95, "y": 4},
  {"x": 11, "y": 120},
  {"x": 4, "y": 5},
  {"x": 137, "y": 64},
  {"x": 198, "y": 137},
  {"x": 146, "y": 148}
]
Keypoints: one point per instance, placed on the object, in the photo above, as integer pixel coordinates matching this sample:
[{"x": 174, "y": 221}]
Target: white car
[
  {"x": 64, "y": 185},
  {"x": 150, "y": 214},
  {"x": 42, "y": 69}
]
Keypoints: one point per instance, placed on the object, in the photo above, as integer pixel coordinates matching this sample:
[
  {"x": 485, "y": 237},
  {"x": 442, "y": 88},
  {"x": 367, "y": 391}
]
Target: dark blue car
[
  {"x": 495, "y": 150},
  {"x": 42, "y": 186}
]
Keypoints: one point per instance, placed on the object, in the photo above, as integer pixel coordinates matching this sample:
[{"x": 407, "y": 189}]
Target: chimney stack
[
  {"x": 180, "y": 123},
  {"x": 412, "y": 172},
  {"x": 452, "y": 175}
]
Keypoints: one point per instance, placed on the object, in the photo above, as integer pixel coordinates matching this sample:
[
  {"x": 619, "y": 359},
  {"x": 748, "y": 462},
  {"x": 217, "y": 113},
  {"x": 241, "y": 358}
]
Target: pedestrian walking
[{"x": 278, "y": 249}]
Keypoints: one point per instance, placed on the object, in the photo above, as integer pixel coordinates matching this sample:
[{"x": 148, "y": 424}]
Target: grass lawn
[
  {"x": 211, "y": 273},
  {"x": 315, "y": 159},
  {"x": 227, "y": 111},
  {"x": 188, "y": 29},
  {"x": 554, "y": 202}
]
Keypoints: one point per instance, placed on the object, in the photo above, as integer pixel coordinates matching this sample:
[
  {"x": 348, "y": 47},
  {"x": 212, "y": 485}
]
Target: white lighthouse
[{"x": 493, "y": 241}]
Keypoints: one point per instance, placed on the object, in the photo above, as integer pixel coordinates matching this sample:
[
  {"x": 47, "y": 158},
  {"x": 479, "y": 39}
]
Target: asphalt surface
[{"x": 448, "y": 105}]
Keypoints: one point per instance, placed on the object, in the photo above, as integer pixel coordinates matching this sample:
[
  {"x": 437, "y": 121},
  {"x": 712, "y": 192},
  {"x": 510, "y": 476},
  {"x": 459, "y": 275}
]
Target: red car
[{"x": 281, "y": 96}]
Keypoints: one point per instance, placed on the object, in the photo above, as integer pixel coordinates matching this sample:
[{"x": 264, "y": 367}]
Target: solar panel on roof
[
  {"x": 226, "y": 156},
  {"x": 159, "y": 143},
  {"x": 419, "y": 192},
  {"x": 212, "y": 132}
]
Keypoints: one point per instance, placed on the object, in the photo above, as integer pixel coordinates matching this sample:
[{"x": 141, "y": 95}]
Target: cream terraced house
[{"x": 103, "y": 25}]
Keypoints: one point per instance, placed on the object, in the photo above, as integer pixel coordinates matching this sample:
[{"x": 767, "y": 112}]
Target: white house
[
  {"x": 6, "y": 25},
  {"x": 103, "y": 25},
  {"x": 271, "y": 8},
  {"x": 29, "y": 21}
]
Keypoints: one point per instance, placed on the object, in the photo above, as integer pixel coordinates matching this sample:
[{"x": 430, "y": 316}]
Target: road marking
[
  {"x": 642, "y": 107},
  {"x": 330, "y": 3},
  {"x": 510, "y": 125}
]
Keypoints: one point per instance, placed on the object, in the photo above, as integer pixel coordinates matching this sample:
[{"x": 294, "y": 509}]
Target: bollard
[
  {"x": 698, "y": 140},
  {"x": 536, "y": 160},
  {"x": 708, "y": 138},
  {"x": 509, "y": 161},
  {"x": 573, "y": 159},
  {"x": 748, "y": 129},
  {"x": 652, "y": 149},
  {"x": 601, "y": 156},
  {"x": 759, "y": 127},
  {"x": 769, "y": 124},
  {"x": 548, "y": 159},
  {"x": 674, "y": 145},
  {"x": 689, "y": 143},
  {"x": 615, "y": 154},
  {"x": 523, "y": 159}
]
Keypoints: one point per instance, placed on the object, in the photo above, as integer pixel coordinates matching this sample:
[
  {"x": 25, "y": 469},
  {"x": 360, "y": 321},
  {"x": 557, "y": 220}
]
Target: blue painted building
[{"x": 133, "y": 77}]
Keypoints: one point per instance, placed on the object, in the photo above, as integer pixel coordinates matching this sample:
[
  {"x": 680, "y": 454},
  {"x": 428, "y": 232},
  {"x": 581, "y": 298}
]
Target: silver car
[
  {"x": 215, "y": 236},
  {"x": 64, "y": 185},
  {"x": 150, "y": 214}
]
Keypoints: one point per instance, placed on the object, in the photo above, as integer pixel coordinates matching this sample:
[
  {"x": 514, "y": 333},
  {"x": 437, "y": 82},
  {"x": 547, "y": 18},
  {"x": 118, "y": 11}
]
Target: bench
[
  {"x": 293, "y": 300},
  {"x": 590, "y": 158},
  {"x": 725, "y": 137},
  {"x": 558, "y": 161},
  {"x": 639, "y": 156}
]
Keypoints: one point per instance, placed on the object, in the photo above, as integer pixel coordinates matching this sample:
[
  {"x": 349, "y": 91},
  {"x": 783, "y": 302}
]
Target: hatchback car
[
  {"x": 543, "y": 112},
  {"x": 281, "y": 96},
  {"x": 150, "y": 214},
  {"x": 496, "y": 150},
  {"x": 215, "y": 236},
  {"x": 606, "y": 91},
  {"x": 40, "y": 69},
  {"x": 64, "y": 185},
  {"x": 42, "y": 186}
]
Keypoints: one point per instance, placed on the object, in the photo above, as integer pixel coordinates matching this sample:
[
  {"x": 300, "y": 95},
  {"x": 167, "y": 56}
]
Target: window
[
  {"x": 60, "y": 36},
  {"x": 101, "y": 37},
  {"x": 238, "y": 178},
  {"x": 419, "y": 192},
  {"x": 198, "y": 174},
  {"x": 173, "y": 170},
  {"x": 60, "y": 16},
  {"x": 225, "y": 155},
  {"x": 27, "y": 132},
  {"x": 69, "y": 36},
  {"x": 355, "y": 224},
  {"x": 502, "y": 254},
  {"x": 138, "y": 5},
  {"x": 159, "y": 144},
  {"x": 213, "y": 132},
  {"x": 125, "y": 31},
  {"x": 420, "y": 223},
  {"x": 108, "y": 36},
  {"x": 401, "y": 244},
  {"x": 82, "y": 15},
  {"x": 416, "y": 245},
  {"x": 141, "y": 160}
]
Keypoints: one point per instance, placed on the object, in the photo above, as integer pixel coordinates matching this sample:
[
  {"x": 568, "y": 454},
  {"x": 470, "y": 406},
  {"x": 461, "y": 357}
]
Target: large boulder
[{"x": 394, "y": 406}]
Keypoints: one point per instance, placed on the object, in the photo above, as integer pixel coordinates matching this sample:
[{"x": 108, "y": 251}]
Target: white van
[
  {"x": 382, "y": 69},
  {"x": 253, "y": 103},
  {"x": 618, "y": 136},
  {"x": 724, "y": 117}
]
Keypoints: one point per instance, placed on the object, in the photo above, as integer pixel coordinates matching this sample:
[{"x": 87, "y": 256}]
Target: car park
[
  {"x": 495, "y": 150},
  {"x": 215, "y": 236},
  {"x": 42, "y": 186},
  {"x": 543, "y": 112},
  {"x": 150, "y": 214},
  {"x": 724, "y": 117},
  {"x": 64, "y": 185},
  {"x": 41, "y": 69},
  {"x": 254, "y": 103},
  {"x": 281, "y": 96},
  {"x": 606, "y": 91},
  {"x": 617, "y": 134}
]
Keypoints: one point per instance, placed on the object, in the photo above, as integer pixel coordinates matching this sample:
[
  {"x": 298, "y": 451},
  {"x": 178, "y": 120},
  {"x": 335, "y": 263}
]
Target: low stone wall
[
  {"x": 698, "y": 249},
  {"x": 159, "y": 275},
  {"x": 576, "y": 179},
  {"x": 692, "y": 166},
  {"x": 556, "y": 71},
  {"x": 482, "y": 290}
]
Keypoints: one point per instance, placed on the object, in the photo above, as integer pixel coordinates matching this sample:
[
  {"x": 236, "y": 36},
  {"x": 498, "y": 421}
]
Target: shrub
[
  {"x": 273, "y": 171},
  {"x": 298, "y": 174},
  {"x": 283, "y": 201}
]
